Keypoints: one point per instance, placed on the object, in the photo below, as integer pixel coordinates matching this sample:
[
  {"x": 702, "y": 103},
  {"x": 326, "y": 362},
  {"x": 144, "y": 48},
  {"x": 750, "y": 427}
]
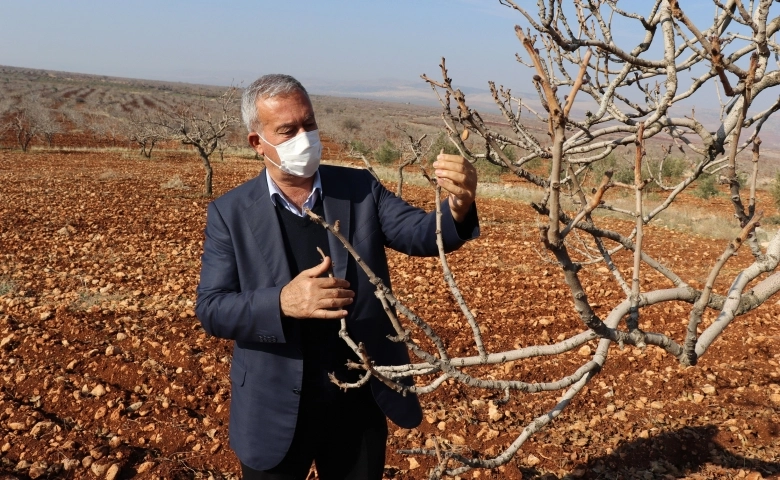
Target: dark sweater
[{"x": 323, "y": 351}]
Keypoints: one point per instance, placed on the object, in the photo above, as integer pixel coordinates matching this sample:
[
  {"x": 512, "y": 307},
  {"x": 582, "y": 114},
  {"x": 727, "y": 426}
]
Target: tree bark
[{"x": 209, "y": 173}]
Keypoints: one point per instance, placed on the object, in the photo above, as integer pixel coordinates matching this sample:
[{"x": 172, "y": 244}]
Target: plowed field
[{"x": 106, "y": 373}]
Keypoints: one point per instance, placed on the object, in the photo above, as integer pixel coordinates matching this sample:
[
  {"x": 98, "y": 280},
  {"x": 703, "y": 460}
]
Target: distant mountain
[
  {"x": 414, "y": 92},
  {"x": 403, "y": 91},
  {"x": 420, "y": 93}
]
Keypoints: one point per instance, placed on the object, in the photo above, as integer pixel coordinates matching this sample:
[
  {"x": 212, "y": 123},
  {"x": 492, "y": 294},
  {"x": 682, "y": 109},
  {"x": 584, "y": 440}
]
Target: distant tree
[
  {"x": 235, "y": 136},
  {"x": 387, "y": 153},
  {"x": 351, "y": 125},
  {"x": 442, "y": 142},
  {"x": 5, "y": 106},
  {"x": 223, "y": 144},
  {"x": 49, "y": 126},
  {"x": 105, "y": 128},
  {"x": 356, "y": 149},
  {"x": 25, "y": 122},
  {"x": 415, "y": 154},
  {"x": 4, "y": 127},
  {"x": 202, "y": 124},
  {"x": 145, "y": 133},
  {"x": 706, "y": 187},
  {"x": 70, "y": 116}
]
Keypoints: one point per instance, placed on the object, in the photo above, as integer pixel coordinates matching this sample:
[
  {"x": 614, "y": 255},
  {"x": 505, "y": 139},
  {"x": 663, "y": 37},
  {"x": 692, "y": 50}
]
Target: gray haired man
[{"x": 264, "y": 286}]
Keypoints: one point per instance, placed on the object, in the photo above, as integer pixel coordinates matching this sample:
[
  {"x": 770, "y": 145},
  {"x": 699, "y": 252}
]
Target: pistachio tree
[{"x": 596, "y": 93}]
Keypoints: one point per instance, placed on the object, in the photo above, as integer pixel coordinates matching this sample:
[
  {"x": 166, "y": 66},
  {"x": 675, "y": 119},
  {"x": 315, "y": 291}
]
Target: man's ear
[{"x": 255, "y": 143}]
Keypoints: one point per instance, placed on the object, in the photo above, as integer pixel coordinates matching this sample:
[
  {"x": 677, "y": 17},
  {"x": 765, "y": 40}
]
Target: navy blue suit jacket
[{"x": 244, "y": 268}]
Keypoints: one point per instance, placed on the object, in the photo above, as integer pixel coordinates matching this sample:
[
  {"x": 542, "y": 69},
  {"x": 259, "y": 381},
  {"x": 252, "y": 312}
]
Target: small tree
[
  {"x": 24, "y": 128},
  {"x": 202, "y": 124},
  {"x": 442, "y": 144},
  {"x": 4, "y": 126},
  {"x": 387, "y": 153},
  {"x": 707, "y": 187},
  {"x": 106, "y": 129},
  {"x": 356, "y": 149},
  {"x": 25, "y": 122},
  {"x": 351, "y": 125},
  {"x": 145, "y": 133},
  {"x": 416, "y": 152},
  {"x": 222, "y": 145},
  {"x": 358, "y": 146},
  {"x": 49, "y": 126}
]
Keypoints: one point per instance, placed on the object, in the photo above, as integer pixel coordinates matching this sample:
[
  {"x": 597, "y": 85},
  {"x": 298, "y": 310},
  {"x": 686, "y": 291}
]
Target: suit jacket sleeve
[
  {"x": 222, "y": 307},
  {"x": 413, "y": 231}
]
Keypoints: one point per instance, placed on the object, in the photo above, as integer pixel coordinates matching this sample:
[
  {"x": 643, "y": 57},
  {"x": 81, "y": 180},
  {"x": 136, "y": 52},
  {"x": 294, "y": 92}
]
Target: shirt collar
[{"x": 277, "y": 195}]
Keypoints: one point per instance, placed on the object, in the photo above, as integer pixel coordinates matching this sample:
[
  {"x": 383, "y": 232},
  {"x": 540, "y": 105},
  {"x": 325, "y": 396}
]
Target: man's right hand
[{"x": 311, "y": 296}]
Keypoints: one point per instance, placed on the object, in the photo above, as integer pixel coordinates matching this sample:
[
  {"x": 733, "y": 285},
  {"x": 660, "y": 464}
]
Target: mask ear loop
[{"x": 266, "y": 157}]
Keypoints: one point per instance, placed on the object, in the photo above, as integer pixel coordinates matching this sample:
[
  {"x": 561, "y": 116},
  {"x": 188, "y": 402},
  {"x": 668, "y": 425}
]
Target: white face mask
[{"x": 300, "y": 155}]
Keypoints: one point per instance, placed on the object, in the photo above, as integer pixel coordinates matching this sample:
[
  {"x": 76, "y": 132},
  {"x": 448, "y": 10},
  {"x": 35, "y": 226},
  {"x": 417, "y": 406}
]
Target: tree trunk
[
  {"x": 400, "y": 181},
  {"x": 403, "y": 165},
  {"x": 24, "y": 141},
  {"x": 209, "y": 174}
]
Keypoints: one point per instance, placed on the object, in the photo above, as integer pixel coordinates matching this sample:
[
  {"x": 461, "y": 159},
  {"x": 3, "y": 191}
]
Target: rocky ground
[{"x": 106, "y": 373}]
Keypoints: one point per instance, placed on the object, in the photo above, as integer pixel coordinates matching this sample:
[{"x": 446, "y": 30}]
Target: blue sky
[
  {"x": 221, "y": 42},
  {"x": 350, "y": 43}
]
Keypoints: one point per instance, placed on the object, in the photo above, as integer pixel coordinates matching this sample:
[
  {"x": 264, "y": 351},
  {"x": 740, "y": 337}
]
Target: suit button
[{"x": 297, "y": 391}]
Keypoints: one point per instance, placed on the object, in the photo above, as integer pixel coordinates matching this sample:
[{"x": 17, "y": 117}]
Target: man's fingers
[
  {"x": 330, "y": 283},
  {"x": 446, "y": 157},
  {"x": 459, "y": 178},
  {"x": 460, "y": 190},
  {"x": 443, "y": 161},
  {"x": 453, "y": 175},
  {"x": 311, "y": 295},
  {"x": 339, "y": 293},
  {"x": 331, "y": 308},
  {"x": 328, "y": 314},
  {"x": 317, "y": 270},
  {"x": 450, "y": 183},
  {"x": 331, "y": 303},
  {"x": 459, "y": 170}
]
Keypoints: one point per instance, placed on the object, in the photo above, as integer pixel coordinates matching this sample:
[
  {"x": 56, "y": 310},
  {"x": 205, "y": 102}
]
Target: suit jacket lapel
[
  {"x": 261, "y": 216},
  {"x": 337, "y": 208}
]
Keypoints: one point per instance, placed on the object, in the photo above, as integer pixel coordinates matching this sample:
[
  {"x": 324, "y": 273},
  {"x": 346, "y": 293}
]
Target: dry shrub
[
  {"x": 6, "y": 286},
  {"x": 109, "y": 175},
  {"x": 175, "y": 183}
]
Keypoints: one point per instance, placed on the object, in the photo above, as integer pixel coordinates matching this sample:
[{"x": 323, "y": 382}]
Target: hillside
[{"x": 97, "y": 110}]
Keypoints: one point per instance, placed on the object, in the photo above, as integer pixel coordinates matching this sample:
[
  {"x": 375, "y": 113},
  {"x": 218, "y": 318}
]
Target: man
[{"x": 264, "y": 285}]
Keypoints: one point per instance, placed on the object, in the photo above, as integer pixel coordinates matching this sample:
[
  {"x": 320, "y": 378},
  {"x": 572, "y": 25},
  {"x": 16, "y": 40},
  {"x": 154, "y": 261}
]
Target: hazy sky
[
  {"x": 321, "y": 42},
  {"x": 221, "y": 42}
]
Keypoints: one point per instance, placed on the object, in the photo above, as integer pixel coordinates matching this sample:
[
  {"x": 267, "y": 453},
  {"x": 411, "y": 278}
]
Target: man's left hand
[{"x": 459, "y": 177}]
